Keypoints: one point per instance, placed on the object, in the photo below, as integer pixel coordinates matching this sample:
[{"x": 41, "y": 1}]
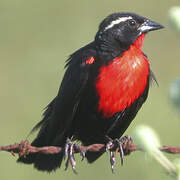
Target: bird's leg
[
  {"x": 119, "y": 145},
  {"x": 69, "y": 150}
]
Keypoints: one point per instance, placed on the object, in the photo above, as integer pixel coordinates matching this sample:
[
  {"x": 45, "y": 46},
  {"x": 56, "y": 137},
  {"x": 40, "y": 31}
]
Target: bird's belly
[{"x": 121, "y": 82}]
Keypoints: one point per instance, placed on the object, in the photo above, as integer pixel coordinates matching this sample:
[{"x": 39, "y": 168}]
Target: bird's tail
[
  {"x": 46, "y": 137},
  {"x": 93, "y": 156},
  {"x": 43, "y": 162}
]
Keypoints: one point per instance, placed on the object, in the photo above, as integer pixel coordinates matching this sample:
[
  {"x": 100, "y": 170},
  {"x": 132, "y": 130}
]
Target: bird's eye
[{"x": 132, "y": 22}]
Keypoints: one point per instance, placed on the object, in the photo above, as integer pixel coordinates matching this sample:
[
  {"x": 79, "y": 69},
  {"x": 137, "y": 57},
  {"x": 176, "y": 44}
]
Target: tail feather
[
  {"x": 28, "y": 159},
  {"x": 43, "y": 162},
  {"x": 93, "y": 156},
  {"x": 46, "y": 137},
  {"x": 48, "y": 162}
]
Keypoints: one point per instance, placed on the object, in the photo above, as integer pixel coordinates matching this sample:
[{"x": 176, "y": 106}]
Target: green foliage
[
  {"x": 174, "y": 94},
  {"x": 174, "y": 18},
  {"x": 148, "y": 141}
]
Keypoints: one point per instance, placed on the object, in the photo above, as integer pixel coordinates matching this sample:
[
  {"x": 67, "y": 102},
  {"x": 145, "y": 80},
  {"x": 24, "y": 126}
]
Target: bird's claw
[
  {"x": 69, "y": 150},
  {"x": 112, "y": 160},
  {"x": 108, "y": 145},
  {"x": 78, "y": 149},
  {"x": 118, "y": 147}
]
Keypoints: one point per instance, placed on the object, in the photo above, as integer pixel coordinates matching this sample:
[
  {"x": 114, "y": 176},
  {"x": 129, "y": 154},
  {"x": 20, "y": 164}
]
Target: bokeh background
[{"x": 36, "y": 38}]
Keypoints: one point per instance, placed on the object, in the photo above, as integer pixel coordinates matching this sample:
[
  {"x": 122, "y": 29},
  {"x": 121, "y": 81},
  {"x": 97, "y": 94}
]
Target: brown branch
[
  {"x": 171, "y": 149},
  {"x": 25, "y": 148}
]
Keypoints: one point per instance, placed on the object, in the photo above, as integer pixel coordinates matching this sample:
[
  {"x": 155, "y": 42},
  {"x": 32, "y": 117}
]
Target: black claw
[
  {"x": 118, "y": 147},
  {"x": 73, "y": 164},
  {"x": 66, "y": 151},
  {"x": 82, "y": 153},
  {"x": 69, "y": 150},
  {"x": 121, "y": 153},
  {"x": 67, "y": 164},
  {"x": 72, "y": 159},
  {"x": 108, "y": 145},
  {"x": 112, "y": 160},
  {"x": 74, "y": 170}
]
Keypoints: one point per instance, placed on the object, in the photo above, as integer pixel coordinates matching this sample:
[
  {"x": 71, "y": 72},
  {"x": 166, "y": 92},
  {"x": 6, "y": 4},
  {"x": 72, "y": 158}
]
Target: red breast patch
[{"x": 121, "y": 82}]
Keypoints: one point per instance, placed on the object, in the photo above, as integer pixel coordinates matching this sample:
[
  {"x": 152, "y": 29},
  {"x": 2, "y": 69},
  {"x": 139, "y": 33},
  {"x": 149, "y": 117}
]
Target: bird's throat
[{"x": 139, "y": 41}]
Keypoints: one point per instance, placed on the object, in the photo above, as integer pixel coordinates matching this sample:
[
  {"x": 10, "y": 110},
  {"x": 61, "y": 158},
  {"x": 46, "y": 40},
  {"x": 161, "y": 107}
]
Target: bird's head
[{"x": 122, "y": 29}]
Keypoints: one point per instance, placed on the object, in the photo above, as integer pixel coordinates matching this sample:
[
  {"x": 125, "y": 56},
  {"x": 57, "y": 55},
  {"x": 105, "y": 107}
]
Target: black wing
[{"x": 56, "y": 124}]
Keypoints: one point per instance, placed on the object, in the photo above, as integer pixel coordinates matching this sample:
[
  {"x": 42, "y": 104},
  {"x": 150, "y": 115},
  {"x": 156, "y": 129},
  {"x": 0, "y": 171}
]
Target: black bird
[{"x": 104, "y": 86}]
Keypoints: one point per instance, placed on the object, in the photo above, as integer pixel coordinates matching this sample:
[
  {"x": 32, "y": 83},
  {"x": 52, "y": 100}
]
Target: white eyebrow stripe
[{"x": 117, "y": 21}]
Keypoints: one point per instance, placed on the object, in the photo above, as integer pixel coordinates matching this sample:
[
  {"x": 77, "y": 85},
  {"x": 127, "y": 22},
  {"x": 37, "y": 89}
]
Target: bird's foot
[
  {"x": 119, "y": 145},
  {"x": 69, "y": 150}
]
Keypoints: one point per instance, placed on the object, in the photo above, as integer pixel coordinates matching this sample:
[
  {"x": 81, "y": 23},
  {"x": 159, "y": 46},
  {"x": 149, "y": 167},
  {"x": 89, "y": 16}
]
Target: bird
[{"x": 105, "y": 84}]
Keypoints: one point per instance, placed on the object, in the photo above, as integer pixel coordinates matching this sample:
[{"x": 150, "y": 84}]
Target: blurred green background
[{"x": 36, "y": 38}]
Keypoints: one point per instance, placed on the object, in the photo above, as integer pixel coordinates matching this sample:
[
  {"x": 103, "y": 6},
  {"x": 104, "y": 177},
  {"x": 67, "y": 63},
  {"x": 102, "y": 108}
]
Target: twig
[
  {"x": 25, "y": 148},
  {"x": 171, "y": 149}
]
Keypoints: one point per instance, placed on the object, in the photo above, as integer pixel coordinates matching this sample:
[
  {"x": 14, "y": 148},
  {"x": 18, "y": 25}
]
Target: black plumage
[{"x": 74, "y": 112}]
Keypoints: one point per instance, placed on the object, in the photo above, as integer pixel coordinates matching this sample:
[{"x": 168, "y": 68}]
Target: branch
[{"x": 25, "y": 148}]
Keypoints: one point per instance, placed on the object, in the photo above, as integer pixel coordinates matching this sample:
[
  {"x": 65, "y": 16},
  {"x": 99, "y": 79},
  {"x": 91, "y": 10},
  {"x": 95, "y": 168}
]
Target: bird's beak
[{"x": 149, "y": 25}]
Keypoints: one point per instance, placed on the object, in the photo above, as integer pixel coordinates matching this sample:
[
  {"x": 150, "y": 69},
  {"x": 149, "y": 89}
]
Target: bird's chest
[{"x": 121, "y": 82}]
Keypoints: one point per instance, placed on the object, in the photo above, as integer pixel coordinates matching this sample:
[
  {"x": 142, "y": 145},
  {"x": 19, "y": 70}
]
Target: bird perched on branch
[{"x": 104, "y": 86}]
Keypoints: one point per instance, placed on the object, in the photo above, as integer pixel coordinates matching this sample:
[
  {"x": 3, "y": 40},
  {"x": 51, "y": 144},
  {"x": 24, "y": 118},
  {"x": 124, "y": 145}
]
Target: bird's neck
[
  {"x": 109, "y": 50},
  {"x": 139, "y": 42}
]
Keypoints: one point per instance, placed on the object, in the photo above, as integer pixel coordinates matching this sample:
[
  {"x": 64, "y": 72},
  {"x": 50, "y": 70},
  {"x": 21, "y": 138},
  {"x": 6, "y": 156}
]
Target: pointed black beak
[{"x": 149, "y": 25}]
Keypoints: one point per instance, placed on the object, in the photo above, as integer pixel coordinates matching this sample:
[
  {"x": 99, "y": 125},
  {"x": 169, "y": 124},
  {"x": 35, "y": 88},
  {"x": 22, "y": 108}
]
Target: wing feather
[{"x": 55, "y": 126}]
